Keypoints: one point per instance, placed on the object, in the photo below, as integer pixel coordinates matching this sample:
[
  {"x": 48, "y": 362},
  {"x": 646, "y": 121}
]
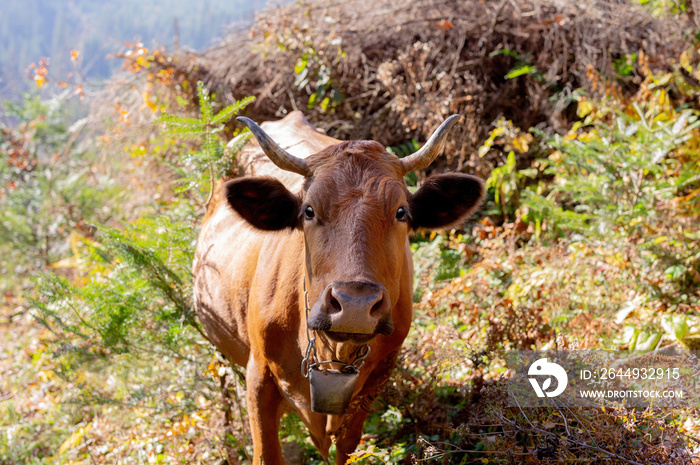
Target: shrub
[
  {"x": 46, "y": 187},
  {"x": 619, "y": 174}
]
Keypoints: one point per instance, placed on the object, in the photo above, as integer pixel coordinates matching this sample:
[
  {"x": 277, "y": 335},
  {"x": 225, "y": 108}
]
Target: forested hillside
[{"x": 36, "y": 28}]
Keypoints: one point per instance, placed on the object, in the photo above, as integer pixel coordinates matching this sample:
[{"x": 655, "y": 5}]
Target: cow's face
[{"x": 355, "y": 213}]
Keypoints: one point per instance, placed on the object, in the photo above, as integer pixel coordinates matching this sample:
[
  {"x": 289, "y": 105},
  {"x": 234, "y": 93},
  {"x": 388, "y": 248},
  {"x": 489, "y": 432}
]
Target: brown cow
[{"x": 332, "y": 218}]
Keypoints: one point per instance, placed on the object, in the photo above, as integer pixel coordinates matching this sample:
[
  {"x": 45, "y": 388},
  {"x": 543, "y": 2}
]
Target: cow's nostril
[
  {"x": 355, "y": 307},
  {"x": 335, "y": 305},
  {"x": 377, "y": 306}
]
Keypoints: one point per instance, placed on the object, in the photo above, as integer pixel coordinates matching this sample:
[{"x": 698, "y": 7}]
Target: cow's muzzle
[{"x": 352, "y": 310}]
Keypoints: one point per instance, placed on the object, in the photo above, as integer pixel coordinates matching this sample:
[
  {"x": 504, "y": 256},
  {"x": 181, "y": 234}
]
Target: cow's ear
[
  {"x": 445, "y": 200},
  {"x": 263, "y": 202}
]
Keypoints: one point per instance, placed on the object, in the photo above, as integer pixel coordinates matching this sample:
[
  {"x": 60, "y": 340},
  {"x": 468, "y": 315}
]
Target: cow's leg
[
  {"x": 265, "y": 408},
  {"x": 350, "y": 437}
]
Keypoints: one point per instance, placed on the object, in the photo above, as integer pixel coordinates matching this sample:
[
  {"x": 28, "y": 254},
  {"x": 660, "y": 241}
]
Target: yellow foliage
[
  {"x": 585, "y": 107},
  {"x": 74, "y": 261},
  {"x": 143, "y": 62},
  {"x": 74, "y": 439},
  {"x": 149, "y": 101},
  {"x": 355, "y": 458},
  {"x": 364, "y": 454},
  {"x": 484, "y": 149},
  {"x": 521, "y": 144},
  {"x": 685, "y": 61}
]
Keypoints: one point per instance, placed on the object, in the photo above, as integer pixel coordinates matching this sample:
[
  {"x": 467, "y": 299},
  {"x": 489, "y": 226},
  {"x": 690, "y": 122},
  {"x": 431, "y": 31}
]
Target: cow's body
[{"x": 249, "y": 284}]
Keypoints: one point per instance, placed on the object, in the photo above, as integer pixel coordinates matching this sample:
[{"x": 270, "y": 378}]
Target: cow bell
[{"x": 331, "y": 390}]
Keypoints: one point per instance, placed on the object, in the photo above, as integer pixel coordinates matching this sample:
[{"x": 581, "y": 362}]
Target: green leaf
[
  {"x": 646, "y": 341},
  {"x": 324, "y": 103},
  {"x": 302, "y": 79},
  {"x": 510, "y": 163},
  {"x": 520, "y": 71},
  {"x": 675, "y": 272},
  {"x": 675, "y": 325},
  {"x": 624, "y": 66},
  {"x": 528, "y": 173},
  {"x": 506, "y": 51},
  {"x": 312, "y": 101},
  {"x": 301, "y": 64},
  {"x": 628, "y": 336}
]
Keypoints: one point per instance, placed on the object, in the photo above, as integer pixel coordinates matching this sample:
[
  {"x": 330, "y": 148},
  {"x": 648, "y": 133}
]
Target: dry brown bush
[{"x": 401, "y": 69}]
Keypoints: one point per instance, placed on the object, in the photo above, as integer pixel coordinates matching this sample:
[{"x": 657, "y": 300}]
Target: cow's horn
[
  {"x": 274, "y": 152},
  {"x": 425, "y": 156}
]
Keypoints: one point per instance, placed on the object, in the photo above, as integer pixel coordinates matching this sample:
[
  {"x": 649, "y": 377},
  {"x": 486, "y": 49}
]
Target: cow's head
[{"x": 355, "y": 213}]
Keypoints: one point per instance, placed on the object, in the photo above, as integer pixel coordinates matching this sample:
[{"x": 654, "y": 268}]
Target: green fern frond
[
  {"x": 204, "y": 103},
  {"x": 229, "y": 111},
  {"x": 186, "y": 134},
  {"x": 179, "y": 121}
]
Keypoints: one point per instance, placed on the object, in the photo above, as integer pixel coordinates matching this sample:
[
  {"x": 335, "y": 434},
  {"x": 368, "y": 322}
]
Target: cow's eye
[
  {"x": 309, "y": 212},
  {"x": 401, "y": 214}
]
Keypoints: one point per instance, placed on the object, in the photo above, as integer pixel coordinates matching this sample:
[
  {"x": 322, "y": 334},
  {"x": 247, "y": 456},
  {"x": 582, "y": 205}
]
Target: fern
[
  {"x": 211, "y": 158},
  {"x": 130, "y": 294}
]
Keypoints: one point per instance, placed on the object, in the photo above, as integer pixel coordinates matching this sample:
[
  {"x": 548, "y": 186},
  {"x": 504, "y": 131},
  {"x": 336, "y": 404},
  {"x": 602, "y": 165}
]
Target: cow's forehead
[
  {"x": 363, "y": 165},
  {"x": 353, "y": 170},
  {"x": 355, "y": 158}
]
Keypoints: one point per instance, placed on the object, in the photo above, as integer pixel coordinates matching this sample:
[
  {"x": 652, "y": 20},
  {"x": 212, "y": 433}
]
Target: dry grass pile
[{"x": 393, "y": 72}]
